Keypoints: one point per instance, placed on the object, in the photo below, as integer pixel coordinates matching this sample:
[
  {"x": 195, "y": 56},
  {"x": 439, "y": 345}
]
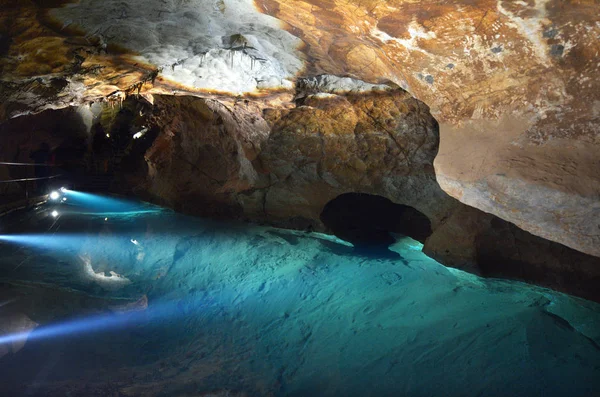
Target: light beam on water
[
  {"x": 54, "y": 241},
  {"x": 98, "y": 248},
  {"x": 98, "y": 323},
  {"x": 95, "y": 203}
]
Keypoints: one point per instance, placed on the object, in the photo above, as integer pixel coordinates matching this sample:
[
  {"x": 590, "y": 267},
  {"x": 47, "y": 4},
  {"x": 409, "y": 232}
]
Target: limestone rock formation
[
  {"x": 269, "y": 109},
  {"x": 376, "y": 143},
  {"x": 291, "y": 163},
  {"x": 202, "y": 157},
  {"x": 218, "y": 159},
  {"x": 511, "y": 83}
]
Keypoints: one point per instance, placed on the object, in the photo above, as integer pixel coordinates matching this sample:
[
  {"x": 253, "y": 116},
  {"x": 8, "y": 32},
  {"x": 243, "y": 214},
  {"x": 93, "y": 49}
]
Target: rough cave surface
[
  {"x": 284, "y": 167},
  {"x": 269, "y": 110},
  {"x": 465, "y": 133}
]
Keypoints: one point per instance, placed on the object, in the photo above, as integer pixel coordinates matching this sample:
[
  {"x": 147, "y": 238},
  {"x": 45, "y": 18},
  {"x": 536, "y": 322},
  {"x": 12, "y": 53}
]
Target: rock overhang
[{"x": 225, "y": 46}]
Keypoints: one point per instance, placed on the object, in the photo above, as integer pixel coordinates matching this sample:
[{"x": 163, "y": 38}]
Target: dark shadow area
[
  {"x": 367, "y": 222},
  {"x": 505, "y": 251},
  {"x": 50, "y": 145},
  {"x": 115, "y": 154},
  {"x": 99, "y": 149}
]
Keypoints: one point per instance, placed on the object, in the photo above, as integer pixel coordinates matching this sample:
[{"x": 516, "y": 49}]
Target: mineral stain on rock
[
  {"x": 550, "y": 33},
  {"x": 557, "y": 50}
]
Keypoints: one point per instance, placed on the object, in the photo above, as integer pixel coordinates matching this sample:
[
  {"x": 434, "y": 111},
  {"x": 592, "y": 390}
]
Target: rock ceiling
[{"x": 513, "y": 84}]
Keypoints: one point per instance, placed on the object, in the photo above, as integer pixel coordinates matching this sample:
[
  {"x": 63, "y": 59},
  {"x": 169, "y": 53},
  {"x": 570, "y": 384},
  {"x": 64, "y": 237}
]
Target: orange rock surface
[{"x": 512, "y": 84}]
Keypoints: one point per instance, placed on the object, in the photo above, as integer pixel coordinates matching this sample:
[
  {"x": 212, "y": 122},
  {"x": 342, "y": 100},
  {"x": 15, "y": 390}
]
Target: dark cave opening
[
  {"x": 91, "y": 148},
  {"x": 367, "y": 221},
  {"x": 50, "y": 145}
]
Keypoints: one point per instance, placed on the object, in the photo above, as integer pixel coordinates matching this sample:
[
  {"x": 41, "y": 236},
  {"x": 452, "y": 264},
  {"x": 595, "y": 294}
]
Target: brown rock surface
[
  {"x": 377, "y": 143},
  {"x": 202, "y": 157},
  {"x": 211, "y": 156},
  {"x": 208, "y": 160},
  {"x": 513, "y": 84}
]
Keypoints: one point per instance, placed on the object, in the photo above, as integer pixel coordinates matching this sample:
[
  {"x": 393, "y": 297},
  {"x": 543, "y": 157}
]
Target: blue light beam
[
  {"x": 103, "y": 204},
  {"x": 53, "y": 241},
  {"x": 73, "y": 327},
  {"x": 101, "y": 323},
  {"x": 100, "y": 248}
]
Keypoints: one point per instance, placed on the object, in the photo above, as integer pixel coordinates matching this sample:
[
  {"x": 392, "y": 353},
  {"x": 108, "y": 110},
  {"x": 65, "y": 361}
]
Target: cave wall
[
  {"x": 512, "y": 84},
  {"x": 241, "y": 160},
  {"x": 283, "y": 167}
]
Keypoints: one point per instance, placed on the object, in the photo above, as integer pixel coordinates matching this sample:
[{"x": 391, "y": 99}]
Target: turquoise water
[{"x": 127, "y": 300}]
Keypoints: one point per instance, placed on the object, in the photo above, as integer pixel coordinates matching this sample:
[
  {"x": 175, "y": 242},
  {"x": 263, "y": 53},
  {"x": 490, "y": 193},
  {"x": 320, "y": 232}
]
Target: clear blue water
[{"x": 126, "y": 299}]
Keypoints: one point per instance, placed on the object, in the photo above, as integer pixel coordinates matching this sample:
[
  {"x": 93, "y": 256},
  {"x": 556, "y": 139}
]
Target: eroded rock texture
[
  {"x": 378, "y": 143},
  {"x": 213, "y": 158},
  {"x": 290, "y": 163},
  {"x": 513, "y": 84}
]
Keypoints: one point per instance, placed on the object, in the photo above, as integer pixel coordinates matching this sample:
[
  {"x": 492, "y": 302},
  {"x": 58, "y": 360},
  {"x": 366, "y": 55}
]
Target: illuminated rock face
[
  {"x": 380, "y": 143},
  {"x": 512, "y": 84},
  {"x": 222, "y": 159},
  {"x": 224, "y": 46},
  {"x": 285, "y": 165}
]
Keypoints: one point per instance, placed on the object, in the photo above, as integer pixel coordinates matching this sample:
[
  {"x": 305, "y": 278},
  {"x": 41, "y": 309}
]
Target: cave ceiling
[{"x": 513, "y": 84}]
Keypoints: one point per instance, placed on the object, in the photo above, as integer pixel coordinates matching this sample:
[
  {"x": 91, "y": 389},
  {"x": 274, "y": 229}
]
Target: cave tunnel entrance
[{"x": 367, "y": 221}]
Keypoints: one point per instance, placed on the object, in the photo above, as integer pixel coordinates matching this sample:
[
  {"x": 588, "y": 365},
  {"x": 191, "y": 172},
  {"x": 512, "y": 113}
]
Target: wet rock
[
  {"x": 203, "y": 158},
  {"x": 376, "y": 143},
  {"x": 487, "y": 245},
  {"x": 139, "y": 305}
]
